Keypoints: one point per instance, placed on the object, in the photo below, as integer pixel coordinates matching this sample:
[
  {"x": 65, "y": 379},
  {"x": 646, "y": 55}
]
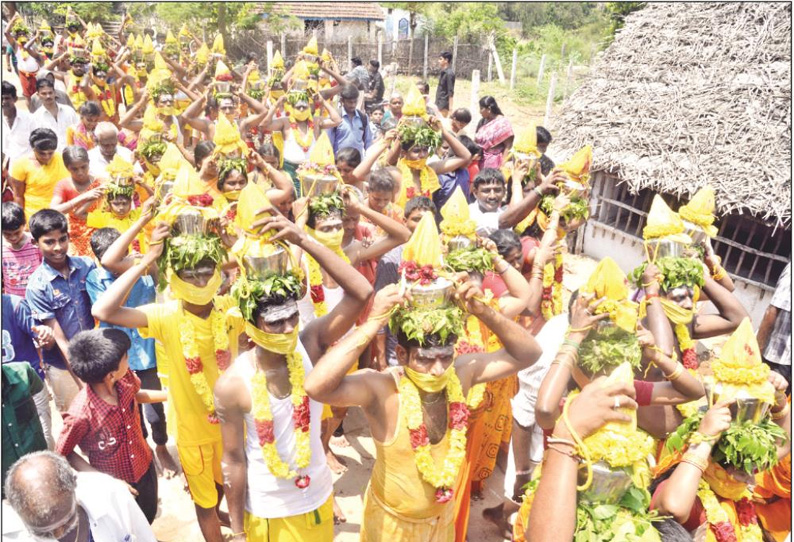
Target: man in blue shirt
[
  {"x": 354, "y": 131},
  {"x": 58, "y": 299}
]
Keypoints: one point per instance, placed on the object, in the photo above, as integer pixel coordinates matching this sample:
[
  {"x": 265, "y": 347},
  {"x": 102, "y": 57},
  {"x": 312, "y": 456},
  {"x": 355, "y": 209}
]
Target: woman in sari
[{"x": 494, "y": 134}]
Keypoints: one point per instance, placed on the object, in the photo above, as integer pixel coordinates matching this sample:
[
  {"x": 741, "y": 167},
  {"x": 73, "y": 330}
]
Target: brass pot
[
  {"x": 662, "y": 248},
  {"x": 260, "y": 267},
  {"x": 316, "y": 185},
  {"x": 459, "y": 242},
  {"x": 608, "y": 486},
  {"x": 433, "y": 295}
]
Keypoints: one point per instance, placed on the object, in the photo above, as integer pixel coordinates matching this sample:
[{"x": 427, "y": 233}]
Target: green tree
[
  {"x": 618, "y": 11},
  {"x": 55, "y": 12}
]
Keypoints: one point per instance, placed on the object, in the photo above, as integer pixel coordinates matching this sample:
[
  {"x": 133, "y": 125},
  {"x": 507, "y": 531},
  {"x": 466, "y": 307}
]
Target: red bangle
[{"x": 648, "y": 297}]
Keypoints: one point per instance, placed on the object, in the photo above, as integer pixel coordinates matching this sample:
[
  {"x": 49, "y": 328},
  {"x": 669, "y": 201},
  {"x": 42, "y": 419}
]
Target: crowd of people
[{"x": 230, "y": 259}]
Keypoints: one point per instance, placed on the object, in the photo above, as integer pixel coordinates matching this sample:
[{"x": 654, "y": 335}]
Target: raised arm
[
  {"x": 129, "y": 120},
  {"x": 396, "y": 233},
  {"x": 731, "y": 313},
  {"x": 334, "y": 119},
  {"x": 362, "y": 170},
  {"x": 282, "y": 189},
  {"x": 462, "y": 154},
  {"x": 191, "y": 114},
  {"x": 681, "y": 385},
  {"x": 116, "y": 258},
  {"x": 516, "y": 213},
  {"x": 656, "y": 320}
]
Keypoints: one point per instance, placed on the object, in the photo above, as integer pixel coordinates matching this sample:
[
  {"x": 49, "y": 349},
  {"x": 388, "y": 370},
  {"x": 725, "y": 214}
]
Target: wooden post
[
  {"x": 499, "y": 70},
  {"x": 568, "y": 77},
  {"x": 284, "y": 45},
  {"x": 269, "y": 53},
  {"x": 540, "y": 69},
  {"x": 380, "y": 48},
  {"x": 562, "y": 51},
  {"x": 475, "y": 90},
  {"x": 489, "y": 77},
  {"x": 424, "y": 67},
  {"x": 513, "y": 69},
  {"x": 550, "y": 99},
  {"x": 350, "y": 52},
  {"x": 454, "y": 52},
  {"x": 410, "y": 54}
]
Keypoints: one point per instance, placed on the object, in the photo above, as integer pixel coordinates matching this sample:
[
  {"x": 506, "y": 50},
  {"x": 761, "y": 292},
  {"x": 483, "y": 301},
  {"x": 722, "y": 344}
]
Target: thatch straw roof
[{"x": 689, "y": 94}]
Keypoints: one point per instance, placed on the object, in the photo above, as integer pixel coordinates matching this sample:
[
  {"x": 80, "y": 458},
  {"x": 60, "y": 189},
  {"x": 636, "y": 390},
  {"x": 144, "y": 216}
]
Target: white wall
[{"x": 628, "y": 252}]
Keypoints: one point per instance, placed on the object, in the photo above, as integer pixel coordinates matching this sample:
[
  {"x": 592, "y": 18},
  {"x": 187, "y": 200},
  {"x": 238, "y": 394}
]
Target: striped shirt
[{"x": 18, "y": 265}]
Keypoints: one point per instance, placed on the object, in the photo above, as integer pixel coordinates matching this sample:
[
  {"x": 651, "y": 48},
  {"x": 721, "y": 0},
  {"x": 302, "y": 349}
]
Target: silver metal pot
[
  {"x": 413, "y": 121},
  {"x": 573, "y": 189},
  {"x": 190, "y": 222},
  {"x": 609, "y": 485},
  {"x": 317, "y": 185},
  {"x": 695, "y": 232},
  {"x": 433, "y": 295},
  {"x": 662, "y": 248},
  {"x": 260, "y": 267},
  {"x": 223, "y": 87},
  {"x": 459, "y": 242}
]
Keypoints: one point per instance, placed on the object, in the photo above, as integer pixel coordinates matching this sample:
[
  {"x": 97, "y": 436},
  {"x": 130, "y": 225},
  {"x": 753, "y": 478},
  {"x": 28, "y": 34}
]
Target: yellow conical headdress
[
  {"x": 97, "y": 51},
  {"x": 170, "y": 38},
  {"x": 610, "y": 282},
  {"x": 663, "y": 222},
  {"x": 151, "y": 121},
  {"x": 203, "y": 55},
  {"x": 160, "y": 64},
  {"x": 455, "y": 213},
  {"x": 739, "y": 367},
  {"x": 227, "y": 138},
  {"x": 301, "y": 71},
  {"x": 139, "y": 43},
  {"x": 148, "y": 46},
  {"x": 326, "y": 56},
  {"x": 311, "y": 47},
  {"x": 184, "y": 32},
  {"x": 424, "y": 247},
  {"x": 188, "y": 183},
  {"x": 278, "y": 62},
  {"x": 322, "y": 154},
  {"x": 118, "y": 167},
  {"x": 578, "y": 167},
  {"x": 221, "y": 69},
  {"x": 217, "y": 45},
  {"x": 130, "y": 42},
  {"x": 171, "y": 161},
  {"x": 414, "y": 105},
  {"x": 700, "y": 210},
  {"x": 45, "y": 28},
  {"x": 527, "y": 140},
  {"x": 252, "y": 200}
]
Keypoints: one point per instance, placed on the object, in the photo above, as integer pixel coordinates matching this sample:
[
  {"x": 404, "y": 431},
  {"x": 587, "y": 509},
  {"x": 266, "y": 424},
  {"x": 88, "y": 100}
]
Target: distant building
[{"x": 334, "y": 20}]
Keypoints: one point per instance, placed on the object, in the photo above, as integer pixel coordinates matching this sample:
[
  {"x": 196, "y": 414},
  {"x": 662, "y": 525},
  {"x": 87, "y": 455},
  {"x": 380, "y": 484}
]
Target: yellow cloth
[
  {"x": 775, "y": 515},
  {"x": 383, "y": 524},
  {"x": 456, "y": 218},
  {"x": 578, "y": 167},
  {"x": 202, "y": 467},
  {"x": 100, "y": 218},
  {"x": 700, "y": 210},
  {"x": 39, "y": 180},
  {"x": 424, "y": 247},
  {"x": 193, "y": 427},
  {"x": 526, "y": 141},
  {"x": 609, "y": 281},
  {"x": 662, "y": 221},
  {"x": 317, "y": 525},
  {"x": 414, "y": 105}
]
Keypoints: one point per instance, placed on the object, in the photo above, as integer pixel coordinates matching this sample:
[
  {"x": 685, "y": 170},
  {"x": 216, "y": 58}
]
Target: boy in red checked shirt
[{"x": 104, "y": 418}]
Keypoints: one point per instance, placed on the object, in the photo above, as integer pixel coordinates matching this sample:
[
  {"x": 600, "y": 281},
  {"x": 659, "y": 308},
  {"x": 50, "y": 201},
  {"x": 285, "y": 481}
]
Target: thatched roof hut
[{"x": 689, "y": 94}]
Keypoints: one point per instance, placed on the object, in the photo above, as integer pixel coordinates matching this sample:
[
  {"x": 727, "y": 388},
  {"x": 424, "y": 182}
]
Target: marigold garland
[
  {"x": 305, "y": 141},
  {"x": 689, "y": 357},
  {"x": 105, "y": 96},
  {"x": 551, "y": 301},
  {"x": 301, "y": 420},
  {"x": 719, "y": 523},
  {"x": 316, "y": 282},
  {"x": 428, "y": 180},
  {"x": 190, "y": 351},
  {"x": 741, "y": 376},
  {"x": 443, "y": 479}
]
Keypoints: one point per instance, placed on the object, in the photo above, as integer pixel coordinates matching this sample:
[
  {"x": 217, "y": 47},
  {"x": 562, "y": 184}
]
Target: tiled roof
[{"x": 366, "y": 11}]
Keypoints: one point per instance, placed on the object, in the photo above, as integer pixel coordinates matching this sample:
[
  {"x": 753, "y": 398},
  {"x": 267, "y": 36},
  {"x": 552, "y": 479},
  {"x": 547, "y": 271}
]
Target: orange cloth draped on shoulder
[{"x": 774, "y": 489}]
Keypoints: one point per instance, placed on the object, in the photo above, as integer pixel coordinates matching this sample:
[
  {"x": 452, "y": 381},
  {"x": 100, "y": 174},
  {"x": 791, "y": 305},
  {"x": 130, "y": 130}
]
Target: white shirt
[
  {"x": 112, "y": 512},
  {"x": 16, "y": 138},
  {"x": 66, "y": 117},
  {"x": 268, "y": 496},
  {"x": 487, "y": 223},
  {"x": 98, "y": 163}
]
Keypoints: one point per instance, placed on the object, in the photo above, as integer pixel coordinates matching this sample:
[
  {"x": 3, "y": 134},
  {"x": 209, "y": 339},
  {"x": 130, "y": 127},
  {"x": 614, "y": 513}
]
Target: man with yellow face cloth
[
  {"x": 193, "y": 330},
  {"x": 279, "y": 484},
  {"x": 418, "y": 413}
]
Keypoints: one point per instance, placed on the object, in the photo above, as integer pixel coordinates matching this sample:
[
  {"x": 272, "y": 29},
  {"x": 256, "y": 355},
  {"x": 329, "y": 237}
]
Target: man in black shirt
[
  {"x": 446, "y": 84},
  {"x": 374, "y": 95}
]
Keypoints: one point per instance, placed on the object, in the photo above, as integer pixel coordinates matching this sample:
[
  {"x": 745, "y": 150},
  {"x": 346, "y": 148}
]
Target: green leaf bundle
[
  {"x": 578, "y": 208},
  {"x": 186, "y": 251},
  {"x": 420, "y": 323},
  {"x": 677, "y": 272},
  {"x": 325, "y": 204},
  {"x": 419, "y": 136},
  {"x": 467, "y": 259},
  {"x": 608, "y": 348},
  {"x": 248, "y": 294},
  {"x": 151, "y": 148}
]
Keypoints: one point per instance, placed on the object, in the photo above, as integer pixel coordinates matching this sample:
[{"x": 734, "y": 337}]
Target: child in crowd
[
  {"x": 457, "y": 178},
  {"x": 57, "y": 298},
  {"x": 20, "y": 256},
  {"x": 118, "y": 212},
  {"x": 104, "y": 419},
  {"x": 82, "y": 134},
  {"x": 77, "y": 196},
  {"x": 375, "y": 118},
  {"x": 382, "y": 187}
]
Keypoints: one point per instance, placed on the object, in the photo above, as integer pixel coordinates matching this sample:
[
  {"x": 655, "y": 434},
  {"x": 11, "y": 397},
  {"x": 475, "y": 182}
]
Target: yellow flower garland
[
  {"x": 190, "y": 351},
  {"x": 550, "y": 307},
  {"x": 316, "y": 280},
  {"x": 428, "y": 181},
  {"x": 260, "y": 409},
  {"x": 685, "y": 341},
  {"x": 757, "y": 374},
  {"x": 445, "y": 476},
  {"x": 715, "y": 514}
]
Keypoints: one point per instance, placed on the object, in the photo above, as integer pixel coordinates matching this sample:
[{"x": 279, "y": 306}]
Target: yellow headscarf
[{"x": 700, "y": 210}]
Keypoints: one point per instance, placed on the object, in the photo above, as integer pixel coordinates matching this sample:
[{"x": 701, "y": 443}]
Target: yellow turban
[
  {"x": 424, "y": 247},
  {"x": 700, "y": 210},
  {"x": 455, "y": 213}
]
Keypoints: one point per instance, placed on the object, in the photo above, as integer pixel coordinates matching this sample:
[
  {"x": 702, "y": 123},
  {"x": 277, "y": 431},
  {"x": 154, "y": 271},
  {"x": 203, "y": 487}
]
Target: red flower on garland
[
  {"x": 301, "y": 415},
  {"x": 194, "y": 365},
  {"x": 225, "y": 77},
  {"x": 745, "y": 510},
  {"x": 458, "y": 416},
  {"x": 204, "y": 200},
  {"x": 318, "y": 295},
  {"x": 558, "y": 274},
  {"x": 444, "y": 494},
  {"x": 224, "y": 358},
  {"x": 302, "y": 481},
  {"x": 410, "y": 192},
  {"x": 690, "y": 359},
  {"x": 213, "y": 419},
  {"x": 231, "y": 214},
  {"x": 419, "y": 437},
  {"x": 724, "y": 531},
  {"x": 264, "y": 430},
  {"x": 424, "y": 275}
]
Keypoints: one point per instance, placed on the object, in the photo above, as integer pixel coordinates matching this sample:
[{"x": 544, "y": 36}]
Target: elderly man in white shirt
[
  {"x": 57, "y": 117},
  {"x": 50, "y": 500},
  {"x": 17, "y": 125},
  {"x": 107, "y": 148}
]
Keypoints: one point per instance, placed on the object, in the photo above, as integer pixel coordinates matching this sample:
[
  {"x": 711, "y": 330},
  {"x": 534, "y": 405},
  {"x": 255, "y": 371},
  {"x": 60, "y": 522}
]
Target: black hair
[
  {"x": 101, "y": 240},
  {"x": 97, "y": 352},
  {"x": 375, "y": 64},
  {"x": 543, "y": 135},
  {"x": 381, "y": 181},
  {"x": 43, "y": 139},
  {"x": 9, "y": 89},
  {"x": 311, "y": 221},
  {"x": 349, "y": 92},
  {"x": 356, "y": 61},
  {"x": 506, "y": 240},
  {"x": 201, "y": 151},
  {"x": 423, "y": 86},
  {"x": 269, "y": 149},
  {"x": 462, "y": 115},
  {"x": 271, "y": 300},
  {"x": 90, "y": 109},
  {"x": 489, "y": 103},
  {"x": 470, "y": 145},
  {"x": 212, "y": 104},
  {"x": 349, "y": 155},
  {"x": 422, "y": 203},
  {"x": 73, "y": 154},
  {"x": 446, "y": 55},
  {"x": 250, "y": 56},
  {"x": 489, "y": 175},
  {"x": 46, "y": 221},
  {"x": 13, "y": 216},
  {"x": 378, "y": 107},
  {"x": 431, "y": 340},
  {"x": 44, "y": 82},
  {"x": 546, "y": 164}
]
